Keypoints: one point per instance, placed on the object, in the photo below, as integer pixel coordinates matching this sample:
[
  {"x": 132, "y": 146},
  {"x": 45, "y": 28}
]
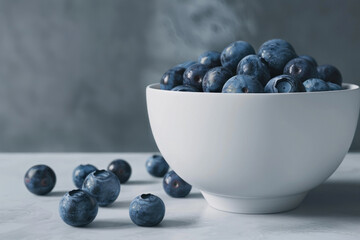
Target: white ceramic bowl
[{"x": 253, "y": 153}]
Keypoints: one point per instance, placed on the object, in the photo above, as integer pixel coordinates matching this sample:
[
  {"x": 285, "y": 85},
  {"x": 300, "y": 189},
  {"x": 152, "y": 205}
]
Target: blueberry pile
[
  {"x": 99, "y": 188},
  {"x": 276, "y": 68}
]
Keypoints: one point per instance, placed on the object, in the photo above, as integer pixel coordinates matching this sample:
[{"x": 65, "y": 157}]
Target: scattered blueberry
[
  {"x": 185, "y": 88},
  {"x": 103, "y": 185},
  {"x": 333, "y": 86},
  {"x": 121, "y": 169},
  {"x": 277, "y": 53},
  {"x": 156, "y": 166},
  {"x": 194, "y": 74},
  {"x": 300, "y": 69},
  {"x": 77, "y": 208},
  {"x": 329, "y": 73},
  {"x": 232, "y": 54},
  {"x": 310, "y": 59},
  {"x": 315, "y": 85},
  {"x": 242, "y": 84},
  {"x": 175, "y": 186},
  {"x": 81, "y": 172},
  {"x": 215, "y": 79},
  {"x": 40, "y": 179},
  {"x": 147, "y": 210},
  {"x": 186, "y": 64},
  {"x": 172, "y": 78},
  {"x": 284, "y": 84},
  {"x": 210, "y": 58},
  {"x": 254, "y": 66}
]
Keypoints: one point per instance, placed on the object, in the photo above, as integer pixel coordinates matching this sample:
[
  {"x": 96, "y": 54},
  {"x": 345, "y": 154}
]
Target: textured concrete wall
[{"x": 73, "y": 73}]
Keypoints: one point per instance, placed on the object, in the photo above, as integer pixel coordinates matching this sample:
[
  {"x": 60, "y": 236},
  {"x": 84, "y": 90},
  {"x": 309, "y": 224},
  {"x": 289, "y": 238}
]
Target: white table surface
[{"x": 331, "y": 211}]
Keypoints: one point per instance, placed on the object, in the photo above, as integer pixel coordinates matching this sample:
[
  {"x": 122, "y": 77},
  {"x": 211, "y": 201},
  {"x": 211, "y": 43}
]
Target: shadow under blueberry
[
  {"x": 331, "y": 199},
  {"x": 176, "y": 223},
  {"x": 197, "y": 195},
  {"x": 140, "y": 182},
  {"x": 117, "y": 224},
  {"x": 110, "y": 224},
  {"x": 56, "y": 194},
  {"x": 119, "y": 204}
]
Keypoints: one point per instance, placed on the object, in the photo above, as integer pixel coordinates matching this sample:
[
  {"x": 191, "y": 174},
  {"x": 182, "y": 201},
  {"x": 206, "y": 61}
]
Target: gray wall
[{"x": 73, "y": 73}]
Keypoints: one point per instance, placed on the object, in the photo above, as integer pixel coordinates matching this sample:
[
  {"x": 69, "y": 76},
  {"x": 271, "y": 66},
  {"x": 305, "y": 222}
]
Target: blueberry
[
  {"x": 316, "y": 85},
  {"x": 186, "y": 64},
  {"x": 333, "y": 86},
  {"x": 121, "y": 169},
  {"x": 77, "y": 208},
  {"x": 277, "y": 43},
  {"x": 147, "y": 210},
  {"x": 40, "y": 179},
  {"x": 103, "y": 185},
  {"x": 81, "y": 172},
  {"x": 284, "y": 84},
  {"x": 242, "y": 84},
  {"x": 175, "y": 186},
  {"x": 276, "y": 53},
  {"x": 254, "y": 66},
  {"x": 329, "y": 73},
  {"x": 172, "y": 78},
  {"x": 210, "y": 58},
  {"x": 215, "y": 79},
  {"x": 185, "y": 88},
  {"x": 194, "y": 75},
  {"x": 300, "y": 69},
  {"x": 310, "y": 59},
  {"x": 232, "y": 54},
  {"x": 156, "y": 166}
]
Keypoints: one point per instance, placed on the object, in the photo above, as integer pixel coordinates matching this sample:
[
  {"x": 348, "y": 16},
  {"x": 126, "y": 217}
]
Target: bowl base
[{"x": 254, "y": 205}]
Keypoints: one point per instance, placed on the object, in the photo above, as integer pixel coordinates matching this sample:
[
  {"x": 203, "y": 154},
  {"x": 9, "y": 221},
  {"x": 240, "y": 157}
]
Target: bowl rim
[{"x": 346, "y": 88}]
